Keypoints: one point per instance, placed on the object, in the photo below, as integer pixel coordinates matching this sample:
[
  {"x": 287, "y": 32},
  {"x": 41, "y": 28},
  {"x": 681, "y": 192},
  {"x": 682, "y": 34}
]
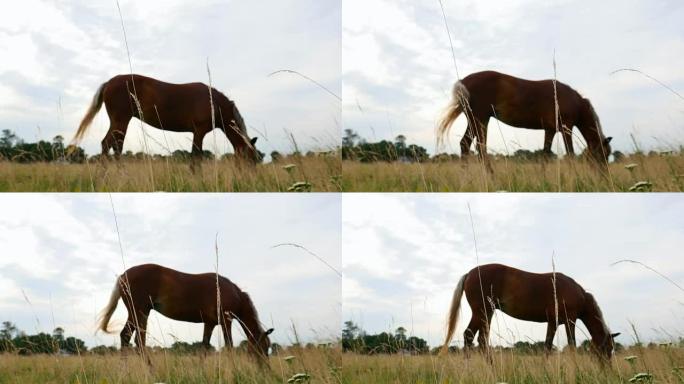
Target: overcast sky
[
  {"x": 403, "y": 255},
  {"x": 398, "y": 67},
  {"x": 61, "y": 254},
  {"x": 56, "y": 53}
]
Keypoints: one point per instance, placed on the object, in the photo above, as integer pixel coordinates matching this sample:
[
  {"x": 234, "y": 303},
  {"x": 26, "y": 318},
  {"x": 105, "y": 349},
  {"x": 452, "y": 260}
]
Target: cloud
[
  {"x": 398, "y": 68},
  {"x": 403, "y": 255},
  {"x": 62, "y": 254}
]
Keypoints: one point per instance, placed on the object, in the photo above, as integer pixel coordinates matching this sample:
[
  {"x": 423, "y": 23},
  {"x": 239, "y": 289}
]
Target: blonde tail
[
  {"x": 108, "y": 311},
  {"x": 95, "y": 106},
  {"x": 459, "y": 97},
  {"x": 453, "y": 313}
]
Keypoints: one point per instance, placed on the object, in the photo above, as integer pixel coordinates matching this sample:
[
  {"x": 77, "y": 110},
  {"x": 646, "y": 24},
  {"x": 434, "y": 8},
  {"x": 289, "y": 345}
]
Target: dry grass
[
  {"x": 663, "y": 172},
  {"x": 130, "y": 175},
  {"x": 666, "y": 365},
  {"x": 323, "y": 365}
]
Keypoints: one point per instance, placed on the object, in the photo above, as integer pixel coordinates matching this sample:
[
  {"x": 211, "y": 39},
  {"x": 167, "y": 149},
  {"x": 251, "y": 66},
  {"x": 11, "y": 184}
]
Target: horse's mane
[
  {"x": 247, "y": 301},
  {"x": 237, "y": 116},
  {"x": 594, "y": 117},
  {"x": 595, "y": 306}
]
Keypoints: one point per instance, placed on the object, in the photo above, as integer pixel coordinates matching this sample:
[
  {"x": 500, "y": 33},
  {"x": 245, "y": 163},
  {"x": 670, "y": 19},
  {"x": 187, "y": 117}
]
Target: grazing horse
[
  {"x": 524, "y": 104},
  {"x": 540, "y": 297},
  {"x": 185, "y": 297},
  {"x": 170, "y": 107}
]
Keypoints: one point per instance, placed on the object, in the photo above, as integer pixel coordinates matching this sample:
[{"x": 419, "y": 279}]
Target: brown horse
[
  {"x": 185, "y": 297},
  {"x": 171, "y": 107},
  {"x": 523, "y": 104},
  {"x": 541, "y": 297}
]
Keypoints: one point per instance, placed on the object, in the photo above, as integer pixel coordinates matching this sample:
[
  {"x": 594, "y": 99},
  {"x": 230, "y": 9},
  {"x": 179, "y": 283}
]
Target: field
[
  {"x": 315, "y": 174},
  {"x": 322, "y": 365},
  {"x": 665, "y": 365},
  {"x": 659, "y": 173}
]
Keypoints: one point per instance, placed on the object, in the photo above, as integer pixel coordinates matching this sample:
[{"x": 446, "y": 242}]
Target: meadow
[
  {"x": 635, "y": 365},
  {"x": 297, "y": 365},
  {"x": 296, "y": 174},
  {"x": 653, "y": 172}
]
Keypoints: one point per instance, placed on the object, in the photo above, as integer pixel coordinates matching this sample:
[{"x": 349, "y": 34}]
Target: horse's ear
[
  {"x": 253, "y": 141},
  {"x": 607, "y": 140},
  {"x": 269, "y": 331},
  {"x": 614, "y": 335}
]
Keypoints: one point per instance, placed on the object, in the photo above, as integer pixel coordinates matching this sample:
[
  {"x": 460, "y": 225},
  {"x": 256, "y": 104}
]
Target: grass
[
  {"x": 317, "y": 173},
  {"x": 666, "y": 365},
  {"x": 662, "y": 173},
  {"x": 321, "y": 364}
]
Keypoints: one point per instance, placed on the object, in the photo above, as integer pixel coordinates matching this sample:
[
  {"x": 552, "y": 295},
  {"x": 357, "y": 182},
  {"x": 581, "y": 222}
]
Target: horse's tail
[
  {"x": 459, "y": 96},
  {"x": 108, "y": 311},
  {"x": 95, "y": 106},
  {"x": 453, "y": 313}
]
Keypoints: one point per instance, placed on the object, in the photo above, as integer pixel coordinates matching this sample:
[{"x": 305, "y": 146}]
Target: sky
[
  {"x": 398, "y": 67},
  {"x": 403, "y": 255},
  {"x": 56, "y": 53},
  {"x": 61, "y": 255}
]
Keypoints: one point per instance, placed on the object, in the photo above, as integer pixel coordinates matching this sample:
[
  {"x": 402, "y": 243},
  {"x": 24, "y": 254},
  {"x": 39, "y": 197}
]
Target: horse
[
  {"x": 548, "y": 105},
  {"x": 553, "y": 298},
  {"x": 171, "y": 107},
  {"x": 185, "y": 297}
]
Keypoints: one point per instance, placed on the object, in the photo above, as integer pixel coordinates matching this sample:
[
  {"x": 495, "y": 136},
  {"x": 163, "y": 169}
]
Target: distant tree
[
  {"x": 400, "y": 142},
  {"x": 102, "y": 350},
  {"x": 350, "y": 138},
  {"x": 276, "y": 156}
]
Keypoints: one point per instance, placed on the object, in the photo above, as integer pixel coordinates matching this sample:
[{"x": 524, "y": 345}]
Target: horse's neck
[
  {"x": 590, "y": 126},
  {"x": 248, "y": 318},
  {"x": 593, "y": 320}
]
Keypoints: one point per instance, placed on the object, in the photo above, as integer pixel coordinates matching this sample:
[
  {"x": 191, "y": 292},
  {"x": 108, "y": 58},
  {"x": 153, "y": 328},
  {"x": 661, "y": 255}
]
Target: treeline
[
  {"x": 357, "y": 148},
  {"x": 355, "y": 339},
  {"x": 14, "y": 148},
  {"x": 14, "y": 340}
]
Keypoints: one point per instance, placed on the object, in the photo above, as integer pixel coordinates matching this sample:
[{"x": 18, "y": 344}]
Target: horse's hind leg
[
  {"x": 549, "y": 134},
  {"x": 127, "y": 332},
  {"x": 197, "y": 139},
  {"x": 481, "y": 134},
  {"x": 118, "y": 135},
  {"x": 469, "y": 334},
  {"x": 467, "y": 141}
]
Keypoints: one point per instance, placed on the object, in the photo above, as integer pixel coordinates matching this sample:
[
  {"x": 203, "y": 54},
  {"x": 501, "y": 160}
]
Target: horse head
[
  {"x": 604, "y": 346},
  {"x": 263, "y": 343}
]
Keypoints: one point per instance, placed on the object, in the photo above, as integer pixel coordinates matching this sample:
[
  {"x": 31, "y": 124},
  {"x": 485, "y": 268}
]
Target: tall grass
[
  {"x": 318, "y": 173},
  {"x": 657, "y": 172},
  {"x": 322, "y": 365},
  {"x": 665, "y": 365}
]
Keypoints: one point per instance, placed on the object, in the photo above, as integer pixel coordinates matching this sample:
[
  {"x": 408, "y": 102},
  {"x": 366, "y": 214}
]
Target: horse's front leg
[
  {"x": 550, "y": 333},
  {"x": 206, "y": 337},
  {"x": 566, "y": 134},
  {"x": 226, "y": 326}
]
